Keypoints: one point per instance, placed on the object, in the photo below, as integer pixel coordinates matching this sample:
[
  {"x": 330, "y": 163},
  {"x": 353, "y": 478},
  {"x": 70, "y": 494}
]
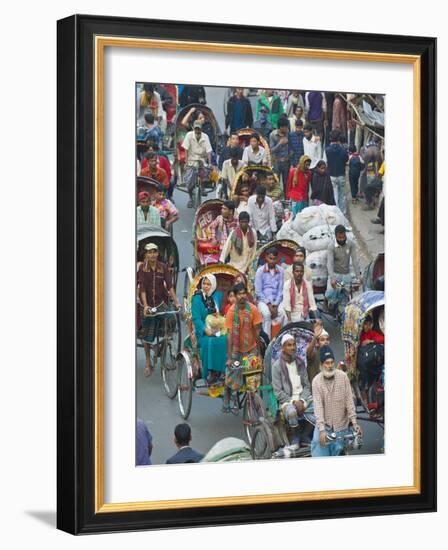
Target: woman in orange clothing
[{"x": 299, "y": 184}]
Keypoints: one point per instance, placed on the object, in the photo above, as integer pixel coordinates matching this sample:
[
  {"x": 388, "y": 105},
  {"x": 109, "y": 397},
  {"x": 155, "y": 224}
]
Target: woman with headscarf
[
  {"x": 321, "y": 186},
  {"x": 298, "y": 184},
  {"x": 209, "y": 328}
]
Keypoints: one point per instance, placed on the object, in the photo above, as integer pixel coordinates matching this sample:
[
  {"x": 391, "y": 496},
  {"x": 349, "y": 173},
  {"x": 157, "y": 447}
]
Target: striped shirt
[{"x": 333, "y": 401}]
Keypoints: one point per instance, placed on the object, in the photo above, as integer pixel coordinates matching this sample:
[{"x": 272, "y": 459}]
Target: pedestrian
[
  {"x": 168, "y": 212},
  {"x": 334, "y": 407},
  {"x": 273, "y": 189},
  {"x": 269, "y": 290},
  {"x": 339, "y": 253},
  {"x": 262, "y": 214},
  {"x": 339, "y": 115},
  {"x": 355, "y": 167},
  {"x": 262, "y": 125},
  {"x": 296, "y": 142},
  {"x": 292, "y": 390},
  {"x": 298, "y": 303},
  {"x": 312, "y": 146},
  {"x": 192, "y": 94},
  {"x": 155, "y": 172},
  {"x": 295, "y": 100},
  {"x": 320, "y": 338},
  {"x": 254, "y": 154},
  {"x": 143, "y": 444},
  {"x": 199, "y": 151},
  {"x": 240, "y": 245},
  {"x": 299, "y": 185},
  {"x": 146, "y": 213},
  {"x": 239, "y": 111},
  {"x": 279, "y": 144},
  {"x": 321, "y": 186},
  {"x": 315, "y": 111},
  {"x": 182, "y": 440},
  {"x": 272, "y": 102},
  {"x": 152, "y": 131},
  {"x": 155, "y": 286},
  {"x": 337, "y": 158}
]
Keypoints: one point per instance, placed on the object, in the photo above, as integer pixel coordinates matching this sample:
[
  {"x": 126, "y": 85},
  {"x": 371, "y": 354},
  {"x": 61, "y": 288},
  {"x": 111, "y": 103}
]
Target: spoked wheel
[
  {"x": 169, "y": 369},
  {"x": 262, "y": 445},
  {"x": 185, "y": 385},
  {"x": 176, "y": 337},
  {"x": 198, "y": 195},
  {"x": 254, "y": 412}
]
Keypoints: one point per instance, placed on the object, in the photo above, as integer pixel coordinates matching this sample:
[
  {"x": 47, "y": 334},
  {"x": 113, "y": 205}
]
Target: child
[
  {"x": 231, "y": 299},
  {"x": 355, "y": 167}
]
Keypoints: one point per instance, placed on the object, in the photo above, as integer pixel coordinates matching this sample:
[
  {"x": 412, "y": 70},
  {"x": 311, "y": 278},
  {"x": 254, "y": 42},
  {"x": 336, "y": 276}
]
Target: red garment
[
  {"x": 372, "y": 335},
  {"x": 299, "y": 192},
  {"x": 159, "y": 175},
  {"x": 163, "y": 162}
]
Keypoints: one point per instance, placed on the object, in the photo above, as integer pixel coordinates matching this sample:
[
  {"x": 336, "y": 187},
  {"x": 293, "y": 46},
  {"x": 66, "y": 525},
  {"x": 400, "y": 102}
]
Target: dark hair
[
  {"x": 244, "y": 216},
  {"x": 282, "y": 122},
  {"x": 153, "y": 144},
  {"x": 238, "y": 287},
  {"x": 148, "y": 87},
  {"x": 149, "y": 118},
  {"x": 231, "y": 290},
  {"x": 234, "y": 153},
  {"x": 182, "y": 433},
  {"x": 160, "y": 188},
  {"x": 298, "y": 264},
  {"x": 272, "y": 251},
  {"x": 254, "y": 135},
  {"x": 308, "y": 127},
  {"x": 298, "y": 122},
  {"x": 235, "y": 134},
  {"x": 352, "y": 149},
  {"x": 301, "y": 249},
  {"x": 320, "y": 163},
  {"x": 151, "y": 155},
  {"x": 260, "y": 190},
  {"x": 335, "y": 135},
  {"x": 229, "y": 204}
]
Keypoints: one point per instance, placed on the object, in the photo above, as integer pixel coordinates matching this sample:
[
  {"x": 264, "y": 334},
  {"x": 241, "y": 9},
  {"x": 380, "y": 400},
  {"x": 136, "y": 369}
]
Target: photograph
[{"x": 260, "y": 273}]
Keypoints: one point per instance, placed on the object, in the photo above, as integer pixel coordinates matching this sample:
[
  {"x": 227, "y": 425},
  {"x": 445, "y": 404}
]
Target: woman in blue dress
[{"x": 205, "y": 307}]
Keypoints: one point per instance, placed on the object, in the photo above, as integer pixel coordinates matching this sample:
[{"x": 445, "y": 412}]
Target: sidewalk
[{"x": 369, "y": 236}]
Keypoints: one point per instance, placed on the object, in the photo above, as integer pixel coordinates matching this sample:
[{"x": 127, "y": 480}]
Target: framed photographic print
[{"x": 245, "y": 216}]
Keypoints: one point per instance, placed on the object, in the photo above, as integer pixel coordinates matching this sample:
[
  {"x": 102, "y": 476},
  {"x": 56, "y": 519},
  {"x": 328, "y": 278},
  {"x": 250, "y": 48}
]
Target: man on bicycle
[
  {"x": 340, "y": 251},
  {"x": 333, "y": 407},
  {"x": 199, "y": 151},
  {"x": 292, "y": 390}
]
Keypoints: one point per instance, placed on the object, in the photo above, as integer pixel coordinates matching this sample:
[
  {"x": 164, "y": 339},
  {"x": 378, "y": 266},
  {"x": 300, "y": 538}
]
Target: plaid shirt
[
  {"x": 333, "y": 401},
  {"x": 220, "y": 229}
]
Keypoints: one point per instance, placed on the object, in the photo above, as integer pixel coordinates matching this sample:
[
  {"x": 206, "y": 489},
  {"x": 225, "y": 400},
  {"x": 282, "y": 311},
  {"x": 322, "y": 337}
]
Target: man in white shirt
[
  {"x": 254, "y": 154},
  {"x": 299, "y": 256},
  {"x": 312, "y": 146},
  {"x": 262, "y": 214},
  {"x": 199, "y": 152},
  {"x": 298, "y": 301},
  {"x": 292, "y": 390},
  {"x": 241, "y": 245},
  {"x": 230, "y": 168}
]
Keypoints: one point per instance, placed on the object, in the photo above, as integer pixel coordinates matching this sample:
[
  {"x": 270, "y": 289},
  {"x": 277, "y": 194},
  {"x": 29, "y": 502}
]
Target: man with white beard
[{"x": 333, "y": 406}]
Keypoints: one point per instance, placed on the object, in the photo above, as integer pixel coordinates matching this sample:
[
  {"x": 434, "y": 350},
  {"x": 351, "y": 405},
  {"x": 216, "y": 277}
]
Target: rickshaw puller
[
  {"x": 292, "y": 390},
  {"x": 199, "y": 150}
]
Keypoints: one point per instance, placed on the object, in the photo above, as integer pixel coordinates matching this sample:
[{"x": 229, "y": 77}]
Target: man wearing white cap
[{"x": 292, "y": 389}]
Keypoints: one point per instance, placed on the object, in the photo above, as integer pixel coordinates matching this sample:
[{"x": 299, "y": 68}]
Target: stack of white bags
[{"x": 313, "y": 228}]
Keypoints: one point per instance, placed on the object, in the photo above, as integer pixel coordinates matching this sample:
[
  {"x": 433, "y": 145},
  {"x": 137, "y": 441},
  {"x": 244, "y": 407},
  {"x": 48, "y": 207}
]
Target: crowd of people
[{"x": 319, "y": 153}]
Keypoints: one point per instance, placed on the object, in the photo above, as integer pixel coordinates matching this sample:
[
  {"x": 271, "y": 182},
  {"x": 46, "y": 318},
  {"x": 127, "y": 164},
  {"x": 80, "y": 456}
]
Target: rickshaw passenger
[
  {"x": 229, "y": 170},
  {"x": 168, "y": 212},
  {"x": 199, "y": 150},
  {"x": 241, "y": 200},
  {"x": 292, "y": 389},
  {"x": 370, "y": 359},
  {"x": 152, "y": 170},
  {"x": 155, "y": 286},
  {"x": 223, "y": 224},
  {"x": 146, "y": 213},
  {"x": 298, "y": 302},
  {"x": 262, "y": 213},
  {"x": 254, "y": 154},
  {"x": 320, "y": 339},
  {"x": 233, "y": 146},
  {"x": 269, "y": 290},
  {"x": 240, "y": 245},
  {"x": 212, "y": 343},
  {"x": 299, "y": 256}
]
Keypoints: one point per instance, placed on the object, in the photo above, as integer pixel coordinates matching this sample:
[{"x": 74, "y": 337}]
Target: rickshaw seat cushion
[{"x": 208, "y": 247}]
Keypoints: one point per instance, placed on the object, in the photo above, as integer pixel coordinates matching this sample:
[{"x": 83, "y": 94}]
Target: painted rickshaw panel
[{"x": 205, "y": 252}]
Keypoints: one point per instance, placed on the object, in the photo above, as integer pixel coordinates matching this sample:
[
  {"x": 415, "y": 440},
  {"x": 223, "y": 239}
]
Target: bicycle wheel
[
  {"x": 169, "y": 369},
  {"x": 262, "y": 445},
  {"x": 198, "y": 195},
  {"x": 176, "y": 336},
  {"x": 254, "y": 412},
  {"x": 185, "y": 385}
]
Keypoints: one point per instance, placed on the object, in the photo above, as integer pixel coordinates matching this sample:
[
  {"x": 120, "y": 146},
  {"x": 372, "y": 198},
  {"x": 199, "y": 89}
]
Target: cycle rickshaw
[
  {"x": 168, "y": 339},
  {"x": 207, "y": 176},
  {"x": 373, "y": 276},
  {"x": 244, "y": 135},
  {"x": 204, "y": 250},
  {"x": 367, "y": 304},
  {"x": 149, "y": 185},
  {"x": 189, "y": 362}
]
